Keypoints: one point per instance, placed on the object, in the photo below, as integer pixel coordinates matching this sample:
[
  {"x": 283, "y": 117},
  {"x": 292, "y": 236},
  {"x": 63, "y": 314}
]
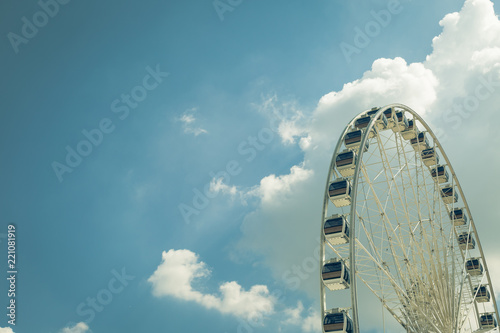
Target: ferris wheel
[{"x": 396, "y": 223}]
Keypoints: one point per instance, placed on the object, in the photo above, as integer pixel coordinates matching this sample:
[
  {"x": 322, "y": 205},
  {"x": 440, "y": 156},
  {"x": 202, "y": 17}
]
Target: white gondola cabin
[
  {"x": 389, "y": 114},
  {"x": 335, "y": 274},
  {"x": 466, "y": 241},
  {"x": 339, "y": 192},
  {"x": 401, "y": 122},
  {"x": 449, "y": 195},
  {"x": 336, "y": 230},
  {"x": 430, "y": 157},
  {"x": 458, "y": 216},
  {"x": 420, "y": 142},
  {"x": 362, "y": 123},
  {"x": 411, "y": 131},
  {"x": 345, "y": 162},
  {"x": 440, "y": 174},
  {"x": 381, "y": 122},
  {"x": 474, "y": 267},
  {"x": 482, "y": 294},
  {"x": 352, "y": 140},
  {"x": 337, "y": 321},
  {"x": 487, "y": 320}
]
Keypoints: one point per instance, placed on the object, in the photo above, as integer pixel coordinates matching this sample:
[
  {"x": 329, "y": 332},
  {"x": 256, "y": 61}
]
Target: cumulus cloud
[
  {"x": 179, "y": 269},
  {"x": 81, "y": 327},
  {"x": 272, "y": 188},
  {"x": 456, "y": 89},
  {"x": 188, "y": 121}
]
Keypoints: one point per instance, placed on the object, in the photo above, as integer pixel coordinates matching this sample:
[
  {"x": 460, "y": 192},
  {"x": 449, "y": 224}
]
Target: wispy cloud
[
  {"x": 308, "y": 323},
  {"x": 188, "y": 121},
  {"x": 218, "y": 186},
  {"x": 291, "y": 118}
]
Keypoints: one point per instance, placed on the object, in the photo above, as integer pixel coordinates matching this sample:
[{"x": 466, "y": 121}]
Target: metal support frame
[{"x": 459, "y": 311}]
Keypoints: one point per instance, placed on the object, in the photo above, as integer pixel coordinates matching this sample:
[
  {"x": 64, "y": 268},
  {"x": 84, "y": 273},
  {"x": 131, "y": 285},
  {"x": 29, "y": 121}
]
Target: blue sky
[{"x": 229, "y": 80}]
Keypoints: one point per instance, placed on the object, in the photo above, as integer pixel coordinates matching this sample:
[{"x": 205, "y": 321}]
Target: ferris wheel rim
[{"x": 352, "y": 234}]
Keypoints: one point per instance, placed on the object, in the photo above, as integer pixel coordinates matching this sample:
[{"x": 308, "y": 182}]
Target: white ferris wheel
[{"x": 396, "y": 220}]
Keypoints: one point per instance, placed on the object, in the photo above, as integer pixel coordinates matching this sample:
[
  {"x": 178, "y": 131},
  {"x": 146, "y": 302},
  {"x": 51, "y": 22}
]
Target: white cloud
[
  {"x": 188, "y": 121},
  {"x": 312, "y": 322},
  {"x": 6, "y": 330},
  {"x": 218, "y": 186},
  {"x": 272, "y": 188},
  {"x": 294, "y": 316},
  {"x": 78, "y": 328},
  {"x": 289, "y": 129},
  {"x": 284, "y": 228},
  {"x": 180, "y": 268}
]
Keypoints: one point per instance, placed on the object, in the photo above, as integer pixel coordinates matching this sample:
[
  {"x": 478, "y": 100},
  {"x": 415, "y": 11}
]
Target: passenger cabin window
[
  {"x": 473, "y": 262},
  {"x": 410, "y": 124},
  {"x": 447, "y": 191},
  {"x": 428, "y": 152},
  {"x": 344, "y": 156},
  {"x": 439, "y": 169},
  {"x": 352, "y": 135},
  {"x": 421, "y": 136},
  {"x": 364, "y": 120},
  {"x": 334, "y": 223},
  {"x": 481, "y": 291},
  {"x": 338, "y": 185},
  {"x": 332, "y": 267},
  {"x": 334, "y": 319}
]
